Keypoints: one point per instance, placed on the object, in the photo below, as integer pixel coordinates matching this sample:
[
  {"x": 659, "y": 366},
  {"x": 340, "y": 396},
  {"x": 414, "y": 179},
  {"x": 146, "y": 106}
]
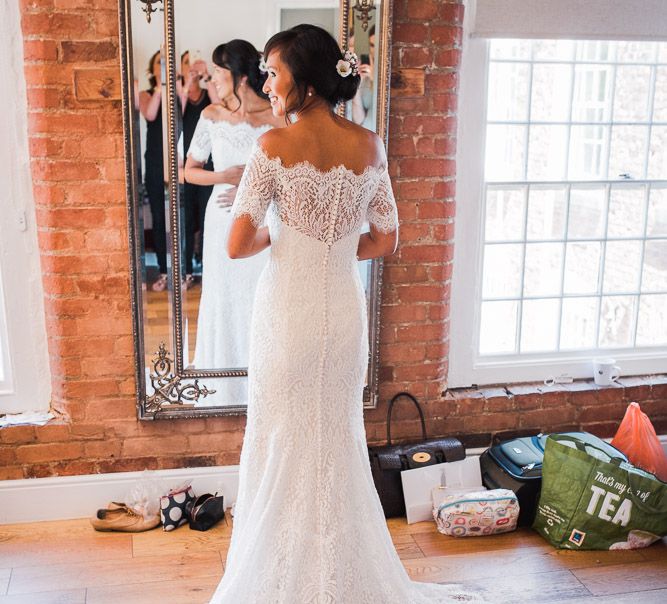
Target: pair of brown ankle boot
[{"x": 120, "y": 517}]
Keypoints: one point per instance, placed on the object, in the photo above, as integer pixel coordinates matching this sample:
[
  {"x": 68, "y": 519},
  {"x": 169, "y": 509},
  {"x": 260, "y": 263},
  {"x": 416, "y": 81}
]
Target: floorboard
[{"x": 67, "y": 562}]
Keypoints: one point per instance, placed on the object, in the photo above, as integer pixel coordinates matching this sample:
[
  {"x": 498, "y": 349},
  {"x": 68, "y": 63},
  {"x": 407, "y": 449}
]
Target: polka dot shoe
[{"x": 173, "y": 507}]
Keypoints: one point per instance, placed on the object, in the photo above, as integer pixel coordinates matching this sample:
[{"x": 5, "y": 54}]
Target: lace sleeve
[
  {"x": 256, "y": 188},
  {"x": 382, "y": 213},
  {"x": 200, "y": 145}
]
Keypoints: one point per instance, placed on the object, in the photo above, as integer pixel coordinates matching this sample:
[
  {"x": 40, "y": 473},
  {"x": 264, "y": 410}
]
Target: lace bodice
[
  {"x": 229, "y": 144},
  {"x": 325, "y": 205}
]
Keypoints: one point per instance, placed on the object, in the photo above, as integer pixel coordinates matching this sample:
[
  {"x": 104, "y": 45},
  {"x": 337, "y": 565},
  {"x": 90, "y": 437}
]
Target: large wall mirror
[{"x": 191, "y": 315}]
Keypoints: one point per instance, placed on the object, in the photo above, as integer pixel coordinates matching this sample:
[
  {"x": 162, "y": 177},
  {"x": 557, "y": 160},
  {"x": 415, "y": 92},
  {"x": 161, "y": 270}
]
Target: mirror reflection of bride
[{"x": 227, "y": 131}]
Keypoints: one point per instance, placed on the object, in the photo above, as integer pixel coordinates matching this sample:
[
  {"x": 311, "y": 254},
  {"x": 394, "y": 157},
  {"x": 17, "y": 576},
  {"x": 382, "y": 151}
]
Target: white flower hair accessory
[
  {"x": 349, "y": 64},
  {"x": 262, "y": 64}
]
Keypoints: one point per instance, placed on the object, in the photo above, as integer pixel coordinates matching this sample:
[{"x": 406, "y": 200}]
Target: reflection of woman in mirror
[
  {"x": 227, "y": 131},
  {"x": 150, "y": 106},
  {"x": 362, "y": 106},
  {"x": 200, "y": 93},
  {"x": 308, "y": 524}
]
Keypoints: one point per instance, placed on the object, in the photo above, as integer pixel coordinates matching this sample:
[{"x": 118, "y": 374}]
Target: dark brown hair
[
  {"x": 311, "y": 54},
  {"x": 242, "y": 59}
]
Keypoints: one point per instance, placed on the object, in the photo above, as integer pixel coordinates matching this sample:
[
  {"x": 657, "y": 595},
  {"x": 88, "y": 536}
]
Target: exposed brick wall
[{"x": 78, "y": 171}]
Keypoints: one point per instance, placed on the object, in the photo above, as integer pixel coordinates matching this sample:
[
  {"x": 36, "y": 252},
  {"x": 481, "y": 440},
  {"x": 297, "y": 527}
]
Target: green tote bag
[{"x": 590, "y": 500}]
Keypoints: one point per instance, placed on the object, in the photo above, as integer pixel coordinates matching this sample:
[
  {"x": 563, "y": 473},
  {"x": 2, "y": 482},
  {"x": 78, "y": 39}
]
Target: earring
[{"x": 310, "y": 94}]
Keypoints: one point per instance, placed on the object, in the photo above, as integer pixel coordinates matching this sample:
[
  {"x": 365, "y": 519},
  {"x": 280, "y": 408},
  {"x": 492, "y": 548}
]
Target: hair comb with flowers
[
  {"x": 262, "y": 64},
  {"x": 349, "y": 64}
]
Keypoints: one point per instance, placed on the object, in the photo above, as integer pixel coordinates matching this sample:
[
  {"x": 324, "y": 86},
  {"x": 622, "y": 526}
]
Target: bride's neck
[
  {"x": 314, "y": 109},
  {"x": 247, "y": 102}
]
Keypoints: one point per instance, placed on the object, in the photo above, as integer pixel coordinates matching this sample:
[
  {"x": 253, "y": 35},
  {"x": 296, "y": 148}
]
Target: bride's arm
[
  {"x": 195, "y": 174},
  {"x": 245, "y": 239},
  {"x": 376, "y": 244}
]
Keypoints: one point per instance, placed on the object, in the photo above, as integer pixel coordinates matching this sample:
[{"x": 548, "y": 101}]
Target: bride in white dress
[
  {"x": 308, "y": 525},
  {"x": 228, "y": 132}
]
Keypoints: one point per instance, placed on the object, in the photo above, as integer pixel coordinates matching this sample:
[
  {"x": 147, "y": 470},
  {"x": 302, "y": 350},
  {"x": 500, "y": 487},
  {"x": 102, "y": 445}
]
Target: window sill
[{"x": 639, "y": 386}]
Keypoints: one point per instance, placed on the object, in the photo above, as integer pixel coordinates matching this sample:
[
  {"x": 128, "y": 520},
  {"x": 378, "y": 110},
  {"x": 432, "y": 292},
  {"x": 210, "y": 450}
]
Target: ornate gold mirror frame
[{"x": 176, "y": 389}]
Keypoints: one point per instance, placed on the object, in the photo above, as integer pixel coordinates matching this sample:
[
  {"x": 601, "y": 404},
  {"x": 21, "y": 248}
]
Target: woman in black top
[{"x": 150, "y": 106}]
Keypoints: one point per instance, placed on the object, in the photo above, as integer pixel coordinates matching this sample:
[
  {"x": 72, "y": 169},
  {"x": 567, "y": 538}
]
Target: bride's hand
[
  {"x": 232, "y": 175},
  {"x": 226, "y": 198}
]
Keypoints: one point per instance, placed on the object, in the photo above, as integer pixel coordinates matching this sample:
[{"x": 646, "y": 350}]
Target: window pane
[
  {"x": 510, "y": 49},
  {"x": 631, "y": 97},
  {"x": 626, "y": 211},
  {"x": 546, "y": 152},
  {"x": 616, "y": 319},
  {"x": 505, "y": 152},
  {"x": 543, "y": 269},
  {"x": 588, "y": 152},
  {"x": 660, "y": 95},
  {"x": 546, "y": 213},
  {"x": 657, "y": 212},
  {"x": 578, "y": 323},
  {"x": 582, "y": 268},
  {"x": 553, "y": 50},
  {"x": 502, "y": 270},
  {"x": 498, "y": 327},
  {"x": 652, "y": 321},
  {"x": 635, "y": 52},
  {"x": 588, "y": 206},
  {"x": 595, "y": 50},
  {"x": 591, "y": 99},
  {"x": 622, "y": 266},
  {"x": 505, "y": 209},
  {"x": 539, "y": 325},
  {"x": 657, "y": 155},
  {"x": 654, "y": 275},
  {"x": 508, "y": 91},
  {"x": 550, "y": 100},
  {"x": 662, "y": 52},
  {"x": 628, "y": 151}
]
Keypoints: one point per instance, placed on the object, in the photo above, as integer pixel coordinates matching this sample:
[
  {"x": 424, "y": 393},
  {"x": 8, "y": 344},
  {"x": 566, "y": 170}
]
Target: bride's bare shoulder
[{"x": 274, "y": 141}]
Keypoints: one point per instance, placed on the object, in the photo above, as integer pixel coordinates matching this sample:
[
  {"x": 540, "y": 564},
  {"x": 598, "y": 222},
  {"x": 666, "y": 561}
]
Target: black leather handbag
[{"x": 388, "y": 461}]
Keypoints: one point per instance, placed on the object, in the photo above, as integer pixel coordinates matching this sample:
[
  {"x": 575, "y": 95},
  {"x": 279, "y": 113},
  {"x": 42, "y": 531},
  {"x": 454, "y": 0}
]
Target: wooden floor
[{"x": 67, "y": 562}]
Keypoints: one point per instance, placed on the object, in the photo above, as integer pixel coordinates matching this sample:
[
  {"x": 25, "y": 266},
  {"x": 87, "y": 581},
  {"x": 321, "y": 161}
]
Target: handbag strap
[{"x": 391, "y": 406}]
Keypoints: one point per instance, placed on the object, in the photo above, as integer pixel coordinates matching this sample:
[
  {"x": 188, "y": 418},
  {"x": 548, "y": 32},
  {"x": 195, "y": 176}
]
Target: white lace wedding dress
[
  {"x": 308, "y": 525},
  {"x": 228, "y": 287}
]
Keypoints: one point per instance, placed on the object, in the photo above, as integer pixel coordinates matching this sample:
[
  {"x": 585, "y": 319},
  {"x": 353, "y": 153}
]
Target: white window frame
[
  {"x": 22, "y": 320},
  {"x": 466, "y": 366}
]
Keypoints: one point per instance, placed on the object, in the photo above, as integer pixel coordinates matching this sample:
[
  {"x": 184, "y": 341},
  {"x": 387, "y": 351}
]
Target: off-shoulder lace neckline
[
  {"x": 236, "y": 124},
  {"x": 310, "y": 166}
]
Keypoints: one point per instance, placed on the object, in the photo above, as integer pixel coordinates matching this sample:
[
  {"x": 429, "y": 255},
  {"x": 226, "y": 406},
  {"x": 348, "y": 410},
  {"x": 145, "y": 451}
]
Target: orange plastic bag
[{"x": 636, "y": 438}]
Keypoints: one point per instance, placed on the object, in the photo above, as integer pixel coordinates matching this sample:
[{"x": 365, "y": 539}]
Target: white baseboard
[{"x": 67, "y": 497}]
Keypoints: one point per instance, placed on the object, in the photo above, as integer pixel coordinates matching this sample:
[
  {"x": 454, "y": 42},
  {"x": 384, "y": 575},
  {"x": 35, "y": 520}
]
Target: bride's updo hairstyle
[
  {"x": 311, "y": 54},
  {"x": 242, "y": 59}
]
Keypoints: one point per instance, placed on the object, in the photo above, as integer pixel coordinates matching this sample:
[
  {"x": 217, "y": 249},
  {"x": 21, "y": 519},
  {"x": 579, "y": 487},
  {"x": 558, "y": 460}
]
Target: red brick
[
  {"x": 47, "y": 74},
  {"x": 427, "y": 253},
  {"x": 446, "y": 35},
  {"x": 58, "y": 171},
  {"x": 433, "y": 210},
  {"x": 416, "y": 57},
  {"x": 40, "y": 50},
  {"x": 418, "y": 189},
  {"x": 77, "y": 52},
  {"x": 48, "y": 452},
  {"x": 413, "y": 33},
  {"x": 451, "y": 12},
  {"x": 44, "y": 98},
  {"x": 422, "y": 9},
  {"x": 442, "y": 82}
]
